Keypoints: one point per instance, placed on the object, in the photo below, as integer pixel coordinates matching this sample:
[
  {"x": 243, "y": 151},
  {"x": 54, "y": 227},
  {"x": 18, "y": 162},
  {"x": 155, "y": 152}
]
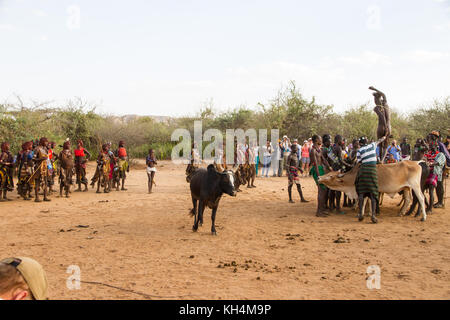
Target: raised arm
[
  {"x": 378, "y": 91},
  {"x": 381, "y": 140}
]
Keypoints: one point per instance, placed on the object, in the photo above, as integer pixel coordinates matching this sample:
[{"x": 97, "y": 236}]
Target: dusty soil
[{"x": 134, "y": 245}]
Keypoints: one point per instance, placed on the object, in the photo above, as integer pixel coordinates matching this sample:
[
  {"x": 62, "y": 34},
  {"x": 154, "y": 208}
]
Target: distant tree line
[{"x": 290, "y": 112}]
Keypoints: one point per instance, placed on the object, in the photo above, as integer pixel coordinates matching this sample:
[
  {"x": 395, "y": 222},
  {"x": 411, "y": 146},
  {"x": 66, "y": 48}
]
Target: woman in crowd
[
  {"x": 267, "y": 155},
  {"x": 305, "y": 158}
]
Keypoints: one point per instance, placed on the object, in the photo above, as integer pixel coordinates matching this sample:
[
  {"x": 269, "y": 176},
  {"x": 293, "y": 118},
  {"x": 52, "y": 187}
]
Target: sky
[{"x": 170, "y": 57}]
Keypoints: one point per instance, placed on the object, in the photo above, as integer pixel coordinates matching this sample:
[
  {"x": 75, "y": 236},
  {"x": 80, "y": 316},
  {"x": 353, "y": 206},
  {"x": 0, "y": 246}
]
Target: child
[
  {"x": 151, "y": 169},
  {"x": 391, "y": 158}
]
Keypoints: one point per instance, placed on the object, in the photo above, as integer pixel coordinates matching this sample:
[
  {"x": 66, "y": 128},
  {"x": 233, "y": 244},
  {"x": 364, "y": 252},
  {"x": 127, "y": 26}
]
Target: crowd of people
[
  {"x": 37, "y": 166},
  {"x": 319, "y": 155}
]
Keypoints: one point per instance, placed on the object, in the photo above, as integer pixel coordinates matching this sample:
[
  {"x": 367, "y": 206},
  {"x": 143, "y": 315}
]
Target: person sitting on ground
[
  {"x": 391, "y": 159},
  {"x": 22, "y": 279}
]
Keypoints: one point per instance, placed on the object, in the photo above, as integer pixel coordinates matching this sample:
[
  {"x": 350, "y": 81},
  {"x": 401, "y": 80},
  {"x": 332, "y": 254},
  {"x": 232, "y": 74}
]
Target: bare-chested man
[
  {"x": 319, "y": 163},
  {"x": 66, "y": 169},
  {"x": 384, "y": 119},
  {"x": 293, "y": 168}
]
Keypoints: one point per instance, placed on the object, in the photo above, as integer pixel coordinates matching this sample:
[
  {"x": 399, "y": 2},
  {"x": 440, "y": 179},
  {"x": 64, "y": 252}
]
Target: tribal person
[
  {"x": 252, "y": 158},
  {"x": 293, "y": 168},
  {"x": 81, "y": 158},
  {"x": 123, "y": 162},
  {"x": 194, "y": 162},
  {"x": 113, "y": 164},
  {"x": 326, "y": 152},
  {"x": 367, "y": 177},
  {"x": 52, "y": 166},
  {"x": 104, "y": 169},
  {"x": 384, "y": 123},
  {"x": 337, "y": 163},
  {"x": 25, "y": 163},
  {"x": 66, "y": 169},
  {"x": 318, "y": 165},
  {"x": 436, "y": 162},
  {"x": 419, "y": 150},
  {"x": 40, "y": 175},
  {"x": 6, "y": 171},
  {"x": 151, "y": 169}
]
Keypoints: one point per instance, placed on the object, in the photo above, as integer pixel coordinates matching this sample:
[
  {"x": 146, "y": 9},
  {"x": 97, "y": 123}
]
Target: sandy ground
[{"x": 139, "y": 246}]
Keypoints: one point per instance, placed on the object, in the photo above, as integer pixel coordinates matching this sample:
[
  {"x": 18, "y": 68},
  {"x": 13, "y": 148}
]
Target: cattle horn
[{"x": 340, "y": 175}]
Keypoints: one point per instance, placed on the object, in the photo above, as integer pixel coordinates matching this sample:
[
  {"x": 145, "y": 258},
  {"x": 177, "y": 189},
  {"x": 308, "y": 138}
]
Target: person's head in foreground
[{"x": 22, "y": 279}]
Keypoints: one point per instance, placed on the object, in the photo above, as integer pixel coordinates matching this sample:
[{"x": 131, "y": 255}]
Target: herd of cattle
[{"x": 406, "y": 178}]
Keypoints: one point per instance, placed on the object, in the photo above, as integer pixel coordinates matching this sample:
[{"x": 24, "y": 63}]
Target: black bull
[{"x": 207, "y": 187}]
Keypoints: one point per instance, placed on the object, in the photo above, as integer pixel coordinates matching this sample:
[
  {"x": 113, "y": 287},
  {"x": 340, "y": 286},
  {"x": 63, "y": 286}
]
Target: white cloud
[
  {"x": 424, "y": 56},
  {"x": 442, "y": 26},
  {"x": 6, "y": 27},
  {"x": 367, "y": 59},
  {"x": 40, "y": 13}
]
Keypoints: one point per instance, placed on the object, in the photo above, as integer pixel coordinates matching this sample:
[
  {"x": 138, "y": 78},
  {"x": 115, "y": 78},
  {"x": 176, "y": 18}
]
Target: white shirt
[{"x": 267, "y": 151}]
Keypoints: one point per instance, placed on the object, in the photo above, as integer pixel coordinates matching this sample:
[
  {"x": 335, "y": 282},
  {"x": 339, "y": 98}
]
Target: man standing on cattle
[
  {"x": 6, "y": 174},
  {"x": 367, "y": 178},
  {"x": 293, "y": 168},
  {"x": 81, "y": 158},
  {"x": 384, "y": 120},
  {"x": 41, "y": 173},
  {"x": 123, "y": 162}
]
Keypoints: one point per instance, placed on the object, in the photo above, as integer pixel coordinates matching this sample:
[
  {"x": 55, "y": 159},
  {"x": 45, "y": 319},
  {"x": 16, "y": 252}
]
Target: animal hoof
[
  {"x": 423, "y": 219},
  {"x": 214, "y": 233},
  {"x": 374, "y": 220},
  {"x": 194, "y": 229},
  {"x": 360, "y": 218}
]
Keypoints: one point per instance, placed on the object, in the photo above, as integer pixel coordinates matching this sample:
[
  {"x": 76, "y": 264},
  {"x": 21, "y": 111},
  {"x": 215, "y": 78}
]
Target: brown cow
[{"x": 392, "y": 178}]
